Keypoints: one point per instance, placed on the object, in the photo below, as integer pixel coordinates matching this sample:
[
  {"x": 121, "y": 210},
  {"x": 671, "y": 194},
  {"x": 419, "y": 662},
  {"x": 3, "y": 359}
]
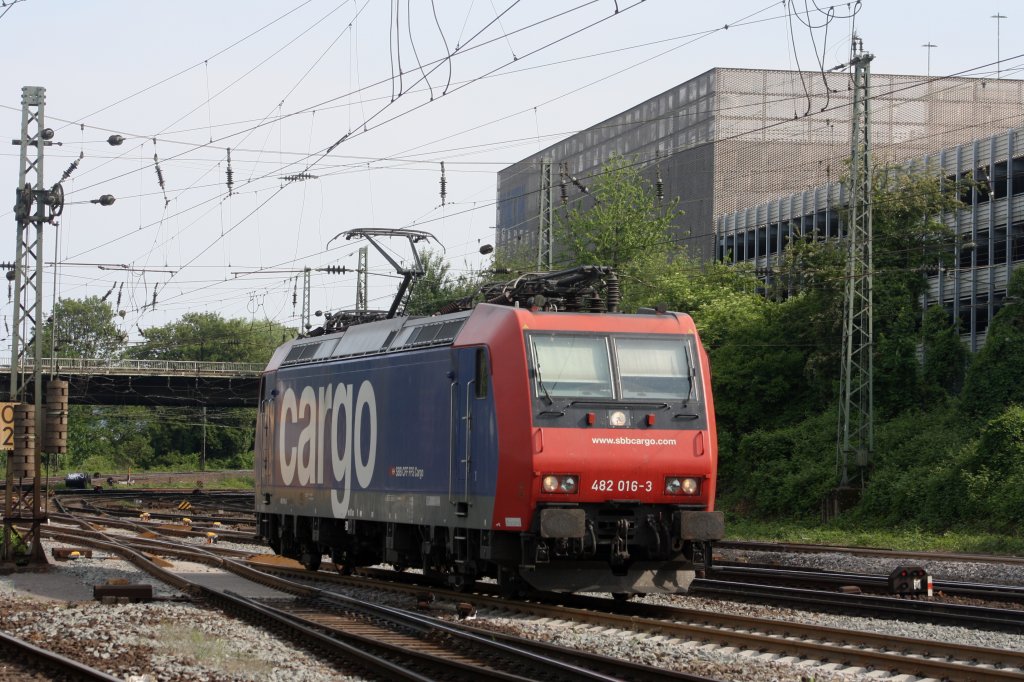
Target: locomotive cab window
[
  {"x": 571, "y": 366},
  {"x": 655, "y": 368},
  {"x": 644, "y": 368}
]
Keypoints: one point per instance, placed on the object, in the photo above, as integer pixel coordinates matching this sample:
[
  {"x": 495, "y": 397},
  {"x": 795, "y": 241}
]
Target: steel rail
[
  {"x": 45, "y": 657},
  {"x": 798, "y": 574},
  {"x": 953, "y": 614},
  {"x": 923, "y": 658},
  {"x": 552, "y": 668},
  {"x": 797, "y": 548}
]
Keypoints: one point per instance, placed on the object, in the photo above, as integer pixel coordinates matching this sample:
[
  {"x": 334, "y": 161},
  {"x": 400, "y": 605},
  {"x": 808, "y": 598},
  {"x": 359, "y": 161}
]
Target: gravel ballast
[{"x": 174, "y": 640}]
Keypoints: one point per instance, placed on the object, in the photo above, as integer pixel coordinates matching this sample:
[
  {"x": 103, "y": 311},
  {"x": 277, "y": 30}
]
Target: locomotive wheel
[{"x": 310, "y": 557}]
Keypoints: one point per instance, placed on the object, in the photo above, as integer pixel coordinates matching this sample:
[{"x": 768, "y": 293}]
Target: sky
[{"x": 339, "y": 114}]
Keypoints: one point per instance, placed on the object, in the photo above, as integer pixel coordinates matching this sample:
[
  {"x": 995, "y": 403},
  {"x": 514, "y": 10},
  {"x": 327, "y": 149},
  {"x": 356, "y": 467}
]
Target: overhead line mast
[
  {"x": 34, "y": 206},
  {"x": 856, "y": 399}
]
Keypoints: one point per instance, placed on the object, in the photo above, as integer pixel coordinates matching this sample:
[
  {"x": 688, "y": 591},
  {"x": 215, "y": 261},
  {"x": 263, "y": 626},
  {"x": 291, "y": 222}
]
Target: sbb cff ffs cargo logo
[{"x": 333, "y": 432}]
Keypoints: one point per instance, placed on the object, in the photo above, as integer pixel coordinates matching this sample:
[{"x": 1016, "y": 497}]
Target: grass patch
[
  {"x": 220, "y": 653},
  {"x": 900, "y": 539}
]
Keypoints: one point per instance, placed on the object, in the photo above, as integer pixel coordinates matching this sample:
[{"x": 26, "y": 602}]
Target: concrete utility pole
[
  {"x": 34, "y": 206},
  {"x": 856, "y": 400},
  {"x": 546, "y": 219}
]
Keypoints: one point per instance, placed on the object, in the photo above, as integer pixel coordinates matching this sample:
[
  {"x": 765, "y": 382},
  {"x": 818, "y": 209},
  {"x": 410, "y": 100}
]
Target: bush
[
  {"x": 995, "y": 377},
  {"x": 782, "y": 473}
]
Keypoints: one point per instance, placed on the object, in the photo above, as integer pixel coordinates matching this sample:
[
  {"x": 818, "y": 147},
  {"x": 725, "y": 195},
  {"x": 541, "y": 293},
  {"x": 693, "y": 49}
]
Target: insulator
[
  {"x": 562, "y": 172},
  {"x": 659, "y": 184},
  {"x": 159, "y": 173},
  {"x": 444, "y": 185},
  {"x": 613, "y": 293},
  {"x": 119, "y": 289},
  {"x": 298, "y": 177},
  {"x": 109, "y": 292},
  {"x": 71, "y": 169},
  {"x": 154, "y": 295},
  {"x": 230, "y": 174}
]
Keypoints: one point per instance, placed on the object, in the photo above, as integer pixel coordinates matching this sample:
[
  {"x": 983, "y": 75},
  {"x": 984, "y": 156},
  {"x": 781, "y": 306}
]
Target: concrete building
[
  {"x": 731, "y": 139},
  {"x": 971, "y": 282}
]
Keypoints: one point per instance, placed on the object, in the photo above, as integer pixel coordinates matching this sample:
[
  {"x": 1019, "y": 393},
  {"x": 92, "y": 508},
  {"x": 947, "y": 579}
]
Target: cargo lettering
[{"x": 332, "y": 438}]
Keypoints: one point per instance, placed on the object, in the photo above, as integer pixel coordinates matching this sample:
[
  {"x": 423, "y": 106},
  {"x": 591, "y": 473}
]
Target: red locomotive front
[{"x": 606, "y": 447}]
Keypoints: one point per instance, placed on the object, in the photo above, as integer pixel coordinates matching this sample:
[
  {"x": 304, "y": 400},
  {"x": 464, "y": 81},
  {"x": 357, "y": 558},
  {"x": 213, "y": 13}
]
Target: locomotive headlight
[
  {"x": 567, "y": 484},
  {"x": 617, "y": 419},
  {"x": 675, "y": 485}
]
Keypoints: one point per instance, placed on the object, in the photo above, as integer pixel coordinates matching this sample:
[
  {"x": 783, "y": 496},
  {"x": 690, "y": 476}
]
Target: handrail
[{"x": 126, "y": 366}]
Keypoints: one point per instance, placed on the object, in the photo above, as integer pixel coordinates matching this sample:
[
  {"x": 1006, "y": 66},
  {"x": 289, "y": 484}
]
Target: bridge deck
[{"x": 115, "y": 381}]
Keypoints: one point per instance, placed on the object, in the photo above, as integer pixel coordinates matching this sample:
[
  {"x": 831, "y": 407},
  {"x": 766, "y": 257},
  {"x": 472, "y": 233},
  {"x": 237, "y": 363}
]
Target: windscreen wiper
[
  {"x": 540, "y": 382},
  {"x": 691, "y": 373}
]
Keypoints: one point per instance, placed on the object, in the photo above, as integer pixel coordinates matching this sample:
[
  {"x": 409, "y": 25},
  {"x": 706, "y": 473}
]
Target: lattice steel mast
[
  {"x": 545, "y": 236},
  {"x": 32, "y": 205},
  {"x": 856, "y": 399}
]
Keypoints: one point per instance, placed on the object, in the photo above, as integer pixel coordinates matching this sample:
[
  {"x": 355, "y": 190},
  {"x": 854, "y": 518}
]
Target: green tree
[
  {"x": 208, "y": 337},
  {"x": 181, "y": 434},
  {"x": 945, "y": 355},
  {"x": 439, "y": 286},
  {"x": 84, "y": 329},
  {"x": 624, "y": 227},
  {"x": 995, "y": 378}
]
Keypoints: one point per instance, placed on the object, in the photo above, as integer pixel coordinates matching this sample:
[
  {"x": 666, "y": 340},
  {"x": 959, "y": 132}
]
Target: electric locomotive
[{"x": 541, "y": 439}]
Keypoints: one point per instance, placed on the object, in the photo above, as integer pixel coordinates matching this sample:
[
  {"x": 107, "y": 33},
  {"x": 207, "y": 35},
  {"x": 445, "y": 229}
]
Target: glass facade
[{"x": 970, "y": 284}]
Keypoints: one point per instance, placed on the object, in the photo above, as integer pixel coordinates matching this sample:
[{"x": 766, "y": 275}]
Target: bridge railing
[{"x": 138, "y": 367}]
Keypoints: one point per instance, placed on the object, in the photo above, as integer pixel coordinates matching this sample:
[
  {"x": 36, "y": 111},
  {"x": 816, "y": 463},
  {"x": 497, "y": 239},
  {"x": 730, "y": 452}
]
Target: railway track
[
  {"x": 798, "y": 548},
  {"x": 877, "y": 584},
  {"x": 23, "y": 660},
  {"x": 764, "y": 639},
  {"x": 384, "y": 642},
  {"x": 862, "y": 604},
  {"x": 850, "y": 649}
]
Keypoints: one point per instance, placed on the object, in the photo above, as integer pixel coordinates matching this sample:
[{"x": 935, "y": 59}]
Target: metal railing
[{"x": 138, "y": 367}]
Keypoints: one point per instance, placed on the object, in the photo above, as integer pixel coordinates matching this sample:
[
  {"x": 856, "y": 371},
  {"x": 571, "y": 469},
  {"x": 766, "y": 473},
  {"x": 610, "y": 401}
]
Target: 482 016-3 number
[{"x": 607, "y": 485}]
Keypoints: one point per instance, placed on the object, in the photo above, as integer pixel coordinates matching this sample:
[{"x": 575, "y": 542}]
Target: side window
[{"x": 483, "y": 373}]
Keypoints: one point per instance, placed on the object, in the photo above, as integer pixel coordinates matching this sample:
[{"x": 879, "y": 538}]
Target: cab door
[{"x": 469, "y": 428}]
